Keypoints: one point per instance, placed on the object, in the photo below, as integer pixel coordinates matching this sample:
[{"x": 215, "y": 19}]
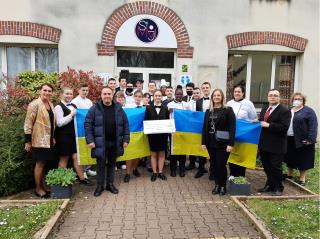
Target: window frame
[
  {"x": 273, "y": 68},
  {"x": 3, "y": 54}
]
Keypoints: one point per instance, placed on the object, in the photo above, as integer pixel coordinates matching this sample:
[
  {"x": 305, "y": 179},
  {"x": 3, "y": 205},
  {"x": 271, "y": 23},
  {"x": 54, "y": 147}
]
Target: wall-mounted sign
[
  {"x": 146, "y": 30},
  {"x": 184, "y": 68},
  {"x": 185, "y": 79},
  {"x": 152, "y": 33}
]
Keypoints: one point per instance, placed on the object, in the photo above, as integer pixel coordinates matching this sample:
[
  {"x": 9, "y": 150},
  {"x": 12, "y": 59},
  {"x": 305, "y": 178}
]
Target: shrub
[
  {"x": 61, "y": 177},
  {"x": 239, "y": 180},
  {"x": 73, "y": 79},
  {"x": 16, "y": 171},
  {"x": 31, "y": 81}
]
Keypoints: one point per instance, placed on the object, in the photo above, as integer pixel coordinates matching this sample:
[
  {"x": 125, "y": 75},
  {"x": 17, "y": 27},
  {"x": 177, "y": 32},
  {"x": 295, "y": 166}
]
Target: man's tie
[
  {"x": 205, "y": 98},
  {"x": 267, "y": 114},
  {"x": 157, "y": 106}
]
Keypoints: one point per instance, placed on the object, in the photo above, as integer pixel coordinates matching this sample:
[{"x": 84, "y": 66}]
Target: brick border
[
  {"x": 123, "y": 13},
  {"x": 258, "y": 223},
  {"x": 30, "y": 29},
  {"x": 274, "y": 38}
]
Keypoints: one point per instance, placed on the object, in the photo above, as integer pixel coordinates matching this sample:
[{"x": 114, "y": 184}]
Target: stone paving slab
[{"x": 176, "y": 208}]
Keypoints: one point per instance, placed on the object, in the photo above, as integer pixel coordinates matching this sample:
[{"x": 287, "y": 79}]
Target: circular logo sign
[{"x": 147, "y": 30}]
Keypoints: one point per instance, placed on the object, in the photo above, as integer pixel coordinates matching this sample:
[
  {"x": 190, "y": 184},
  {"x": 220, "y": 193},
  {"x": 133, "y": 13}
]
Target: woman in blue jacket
[
  {"x": 302, "y": 135},
  {"x": 107, "y": 134}
]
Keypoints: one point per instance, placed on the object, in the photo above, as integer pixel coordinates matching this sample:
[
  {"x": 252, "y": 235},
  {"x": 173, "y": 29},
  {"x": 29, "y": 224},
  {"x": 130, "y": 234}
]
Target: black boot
[
  {"x": 223, "y": 191},
  {"x": 111, "y": 188},
  {"x": 216, "y": 189},
  {"x": 126, "y": 178},
  {"x": 191, "y": 166},
  {"x": 98, "y": 190},
  {"x": 266, "y": 188}
]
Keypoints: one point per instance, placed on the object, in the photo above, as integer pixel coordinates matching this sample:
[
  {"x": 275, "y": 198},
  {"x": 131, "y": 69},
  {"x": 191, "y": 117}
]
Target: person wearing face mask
[
  {"x": 129, "y": 94},
  {"x": 301, "y": 138},
  {"x": 244, "y": 110},
  {"x": 189, "y": 90}
]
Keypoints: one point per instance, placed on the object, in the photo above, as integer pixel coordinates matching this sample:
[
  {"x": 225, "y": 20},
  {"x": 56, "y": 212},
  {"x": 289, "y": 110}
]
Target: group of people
[{"x": 287, "y": 135}]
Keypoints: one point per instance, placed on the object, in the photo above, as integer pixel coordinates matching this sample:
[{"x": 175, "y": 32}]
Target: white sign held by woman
[{"x": 159, "y": 126}]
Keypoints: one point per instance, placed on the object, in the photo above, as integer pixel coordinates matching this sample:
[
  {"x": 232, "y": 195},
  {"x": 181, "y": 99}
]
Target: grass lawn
[
  {"x": 24, "y": 222},
  {"x": 289, "y": 218}
]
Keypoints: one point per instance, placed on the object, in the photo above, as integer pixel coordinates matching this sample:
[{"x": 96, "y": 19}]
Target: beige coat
[{"x": 37, "y": 123}]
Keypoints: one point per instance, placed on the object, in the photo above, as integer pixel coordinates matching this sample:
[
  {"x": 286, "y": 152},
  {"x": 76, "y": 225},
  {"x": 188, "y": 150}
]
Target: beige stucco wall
[{"x": 208, "y": 22}]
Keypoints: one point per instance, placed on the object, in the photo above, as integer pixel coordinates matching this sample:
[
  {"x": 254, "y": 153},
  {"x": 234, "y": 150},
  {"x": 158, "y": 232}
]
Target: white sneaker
[
  {"x": 123, "y": 166},
  {"x": 85, "y": 175},
  {"x": 91, "y": 173}
]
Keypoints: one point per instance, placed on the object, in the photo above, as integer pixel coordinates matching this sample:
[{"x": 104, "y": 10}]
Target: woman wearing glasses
[{"x": 302, "y": 135}]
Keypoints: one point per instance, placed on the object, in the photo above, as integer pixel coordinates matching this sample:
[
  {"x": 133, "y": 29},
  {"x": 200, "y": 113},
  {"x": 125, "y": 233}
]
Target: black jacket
[
  {"x": 151, "y": 113},
  {"x": 274, "y": 138},
  {"x": 305, "y": 126},
  {"x": 226, "y": 122},
  {"x": 95, "y": 129}
]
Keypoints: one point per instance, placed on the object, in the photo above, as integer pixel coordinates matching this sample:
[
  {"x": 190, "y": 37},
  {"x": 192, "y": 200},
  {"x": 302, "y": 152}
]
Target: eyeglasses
[
  {"x": 298, "y": 99},
  {"x": 273, "y": 95}
]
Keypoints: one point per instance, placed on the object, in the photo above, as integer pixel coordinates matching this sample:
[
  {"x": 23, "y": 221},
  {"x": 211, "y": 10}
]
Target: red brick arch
[
  {"x": 30, "y": 29},
  {"x": 275, "y": 38},
  {"x": 123, "y": 13}
]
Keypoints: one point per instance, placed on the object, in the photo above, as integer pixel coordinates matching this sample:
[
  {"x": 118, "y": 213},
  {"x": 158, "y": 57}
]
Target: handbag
[{"x": 222, "y": 136}]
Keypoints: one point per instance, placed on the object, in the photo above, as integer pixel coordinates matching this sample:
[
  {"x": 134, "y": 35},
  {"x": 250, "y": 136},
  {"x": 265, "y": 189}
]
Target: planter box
[
  {"x": 239, "y": 189},
  {"x": 60, "y": 192}
]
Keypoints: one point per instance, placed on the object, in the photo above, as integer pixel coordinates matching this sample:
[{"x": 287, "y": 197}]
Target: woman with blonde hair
[
  {"x": 39, "y": 129},
  {"x": 218, "y": 138}
]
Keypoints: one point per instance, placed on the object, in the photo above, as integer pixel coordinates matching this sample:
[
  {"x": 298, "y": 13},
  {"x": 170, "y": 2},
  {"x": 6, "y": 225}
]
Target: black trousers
[
  {"x": 202, "y": 162},
  {"x": 192, "y": 160},
  {"x": 237, "y": 170},
  {"x": 272, "y": 165},
  {"x": 173, "y": 162},
  {"x": 110, "y": 160},
  {"x": 219, "y": 158}
]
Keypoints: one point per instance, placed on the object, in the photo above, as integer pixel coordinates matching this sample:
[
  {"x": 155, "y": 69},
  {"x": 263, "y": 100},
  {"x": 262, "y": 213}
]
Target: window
[
  {"x": 16, "y": 59},
  {"x": 260, "y": 72},
  {"x": 148, "y": 59},
  {"x": 260, "y": 79},
  {"x": 46, "y": 59}
]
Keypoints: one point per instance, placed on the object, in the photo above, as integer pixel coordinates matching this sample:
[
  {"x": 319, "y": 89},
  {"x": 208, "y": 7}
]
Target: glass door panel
[{"x": 157, "y": 77}]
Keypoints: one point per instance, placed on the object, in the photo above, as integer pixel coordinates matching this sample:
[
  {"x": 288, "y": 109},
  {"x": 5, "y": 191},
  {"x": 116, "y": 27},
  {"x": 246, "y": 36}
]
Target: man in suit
[
  {"x": 189, "y": 90},
  {"x": 202, "y": 105},
  {"x": 122, "y": 85},
  {"x": 275, "y": 121}
]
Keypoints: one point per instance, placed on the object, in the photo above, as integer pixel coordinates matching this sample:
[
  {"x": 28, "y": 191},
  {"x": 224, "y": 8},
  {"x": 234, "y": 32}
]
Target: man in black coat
[
  {"x": 189, "y": 91},
  {"x": 107, "y": 134},
  {"x": 275, "y": 121}
]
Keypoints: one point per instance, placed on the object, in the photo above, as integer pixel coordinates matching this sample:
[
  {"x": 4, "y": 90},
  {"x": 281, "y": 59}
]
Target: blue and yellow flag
[
  {"x": 84, "y": 152},
  {"x": 139, "y": 144},
  {"x": 137, "y": 148},
  {"x": 187, "y": 138},
  {"x": 244, "y": 152}
]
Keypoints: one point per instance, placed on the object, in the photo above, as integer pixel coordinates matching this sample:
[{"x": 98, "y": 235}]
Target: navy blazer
[
  {"x": 95, "y": 129},
  {"x": 305, "y": 126},
  {"x": 274, "y": 138}
]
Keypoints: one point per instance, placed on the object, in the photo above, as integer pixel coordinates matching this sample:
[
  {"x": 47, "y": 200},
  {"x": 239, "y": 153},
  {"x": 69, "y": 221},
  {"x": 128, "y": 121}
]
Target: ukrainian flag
[
  {"x": 137, "y": 148},
  {"x": 84, "y": 152},
  {"x": 139, "y": 144},
  {"x": 244, "y": 152},
  {"x": 188, "y": 136}
]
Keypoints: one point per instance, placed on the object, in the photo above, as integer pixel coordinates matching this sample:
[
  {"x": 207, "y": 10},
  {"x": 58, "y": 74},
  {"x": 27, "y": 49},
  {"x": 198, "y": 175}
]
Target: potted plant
[
  {"x": 60, "y": 180},
  {"x": 239, "y": 186}
]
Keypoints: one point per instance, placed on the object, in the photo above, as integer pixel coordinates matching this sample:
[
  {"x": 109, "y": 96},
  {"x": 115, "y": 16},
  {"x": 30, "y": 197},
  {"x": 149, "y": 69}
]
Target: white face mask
[{"x": 297, "y": 103}]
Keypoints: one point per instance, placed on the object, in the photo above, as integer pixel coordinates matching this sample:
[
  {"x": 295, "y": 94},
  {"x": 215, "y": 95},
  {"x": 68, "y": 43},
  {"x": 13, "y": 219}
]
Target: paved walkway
[{"x": 177, "y": 208}]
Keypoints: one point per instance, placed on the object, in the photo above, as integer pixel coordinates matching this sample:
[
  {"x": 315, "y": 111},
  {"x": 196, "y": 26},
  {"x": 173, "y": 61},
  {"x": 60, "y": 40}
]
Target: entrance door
[{"x": 148, "y": 65}]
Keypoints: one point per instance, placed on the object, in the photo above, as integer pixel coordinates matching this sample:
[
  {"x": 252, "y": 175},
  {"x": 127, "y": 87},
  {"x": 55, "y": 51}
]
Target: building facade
[{"x": 261, "y": 44}]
